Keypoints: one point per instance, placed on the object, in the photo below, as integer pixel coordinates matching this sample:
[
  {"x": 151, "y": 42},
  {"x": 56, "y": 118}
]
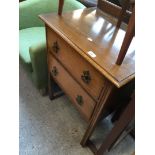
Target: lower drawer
[{"x": 84, "y": 103}]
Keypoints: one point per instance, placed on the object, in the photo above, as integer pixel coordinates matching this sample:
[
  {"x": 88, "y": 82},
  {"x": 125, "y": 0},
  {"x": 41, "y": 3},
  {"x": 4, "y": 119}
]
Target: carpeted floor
[{"x": 55, "y": 127}]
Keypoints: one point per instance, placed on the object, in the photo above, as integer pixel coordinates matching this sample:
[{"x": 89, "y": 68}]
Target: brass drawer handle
[
  {"x": 55, "y": 47},
  {"x": 79, "y": 100},
  {"x": 54, "y": 71},
  {"x": 86, "y": 77}
]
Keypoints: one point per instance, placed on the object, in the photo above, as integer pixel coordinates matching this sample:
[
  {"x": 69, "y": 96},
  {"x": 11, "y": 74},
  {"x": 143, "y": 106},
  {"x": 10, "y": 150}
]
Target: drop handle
[
  {"x": 79, "y": 100},
  {"x": 55, "y": 47},
  {"x": 54, "y": 71},
  {"x": 86, "y": 77}
]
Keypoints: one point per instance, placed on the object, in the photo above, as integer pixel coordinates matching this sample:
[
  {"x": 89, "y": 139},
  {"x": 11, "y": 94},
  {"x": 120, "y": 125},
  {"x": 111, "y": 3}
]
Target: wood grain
[
  {"x": 70, "y": 40},
  {"x": 72, "y": 89},
  {"x": 71, "y": 59},
  {"x": 92, "y": 30}
]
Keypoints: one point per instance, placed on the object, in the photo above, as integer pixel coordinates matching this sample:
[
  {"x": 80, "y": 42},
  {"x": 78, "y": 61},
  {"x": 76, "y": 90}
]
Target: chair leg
[
  {"x": 122, "y": 13},
  {"x": 127, "y": 39},
  {"x": 61, "y": 3}
]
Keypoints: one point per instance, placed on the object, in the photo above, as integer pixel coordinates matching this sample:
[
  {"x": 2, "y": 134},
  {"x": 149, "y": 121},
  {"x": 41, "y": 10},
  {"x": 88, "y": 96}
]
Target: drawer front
[
  {"x": 90, "y": 79},
  {"x": 80, "y": 98}
]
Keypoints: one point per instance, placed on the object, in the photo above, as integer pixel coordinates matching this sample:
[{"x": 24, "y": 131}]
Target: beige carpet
[{"x": 55, "y": 127}]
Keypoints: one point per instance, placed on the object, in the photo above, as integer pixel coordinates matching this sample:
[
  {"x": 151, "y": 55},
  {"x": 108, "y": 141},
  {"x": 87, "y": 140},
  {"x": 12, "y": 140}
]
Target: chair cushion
[
  {"x": 29, "y": 37},
  {"x": 30, "y": 9}
]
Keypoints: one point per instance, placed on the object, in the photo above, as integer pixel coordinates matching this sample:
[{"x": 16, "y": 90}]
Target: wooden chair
[{"x": 123, "y": 15}]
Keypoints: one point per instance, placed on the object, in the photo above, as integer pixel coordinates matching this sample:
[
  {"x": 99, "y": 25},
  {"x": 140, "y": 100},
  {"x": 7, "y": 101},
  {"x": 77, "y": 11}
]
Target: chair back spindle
[
  {"x": 127, "y": 39},
  {"x": 113, "y": 9},
  {"x": 60, "y": 8}
]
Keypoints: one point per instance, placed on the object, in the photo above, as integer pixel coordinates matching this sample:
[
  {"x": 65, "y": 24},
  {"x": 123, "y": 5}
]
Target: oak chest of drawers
[
  {"x": 82, "y": 47},
  {"x": 81, "y": 82}
]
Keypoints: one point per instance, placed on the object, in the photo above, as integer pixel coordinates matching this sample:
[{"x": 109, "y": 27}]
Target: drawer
[
  {"x": 90, "y": 79},
  {"x": 84, "y": 103}
]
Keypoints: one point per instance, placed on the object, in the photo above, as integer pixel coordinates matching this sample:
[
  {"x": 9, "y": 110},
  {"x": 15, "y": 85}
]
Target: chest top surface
[{"x": 93, "y": 34}]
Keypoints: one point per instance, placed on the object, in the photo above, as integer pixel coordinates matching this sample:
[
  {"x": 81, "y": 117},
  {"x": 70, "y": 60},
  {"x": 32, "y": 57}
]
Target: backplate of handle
[
  {"x": 55, "y": 47},
  {"x": 86, "y": 77},
  {"x": 79, "y": 100},
  {"x": 54, "y": 71}
]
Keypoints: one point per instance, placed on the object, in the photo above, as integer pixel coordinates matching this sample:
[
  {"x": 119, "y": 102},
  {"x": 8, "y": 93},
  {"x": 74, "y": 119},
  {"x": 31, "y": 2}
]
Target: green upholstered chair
[{"x": 32, "y": 41}]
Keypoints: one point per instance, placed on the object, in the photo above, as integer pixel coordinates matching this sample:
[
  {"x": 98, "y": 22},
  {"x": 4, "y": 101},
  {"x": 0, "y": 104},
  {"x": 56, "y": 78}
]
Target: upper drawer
[{"x": 90, "y": 79}]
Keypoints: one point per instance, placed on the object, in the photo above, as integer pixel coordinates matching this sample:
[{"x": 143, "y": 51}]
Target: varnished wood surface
[
  {"x": 75, "y": 64},
  {"x": 72, "y": 89},
  {"x": 92, "y": 30}
]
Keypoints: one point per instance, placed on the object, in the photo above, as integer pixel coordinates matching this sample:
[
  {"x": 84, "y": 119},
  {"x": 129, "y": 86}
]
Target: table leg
[
  {"x": 97, "y": 113},
  {"x": 126, "y": 117}
]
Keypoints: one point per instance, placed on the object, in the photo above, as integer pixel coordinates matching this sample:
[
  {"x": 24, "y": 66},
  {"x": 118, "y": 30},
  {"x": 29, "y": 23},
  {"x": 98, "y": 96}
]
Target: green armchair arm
[
  {"x": 30, "y": 9},
  {"x": 39, "y": 64}
]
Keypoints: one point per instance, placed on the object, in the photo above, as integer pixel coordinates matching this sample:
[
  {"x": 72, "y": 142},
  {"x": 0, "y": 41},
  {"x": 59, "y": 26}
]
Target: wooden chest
[{"x": 82, "y": 49}]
